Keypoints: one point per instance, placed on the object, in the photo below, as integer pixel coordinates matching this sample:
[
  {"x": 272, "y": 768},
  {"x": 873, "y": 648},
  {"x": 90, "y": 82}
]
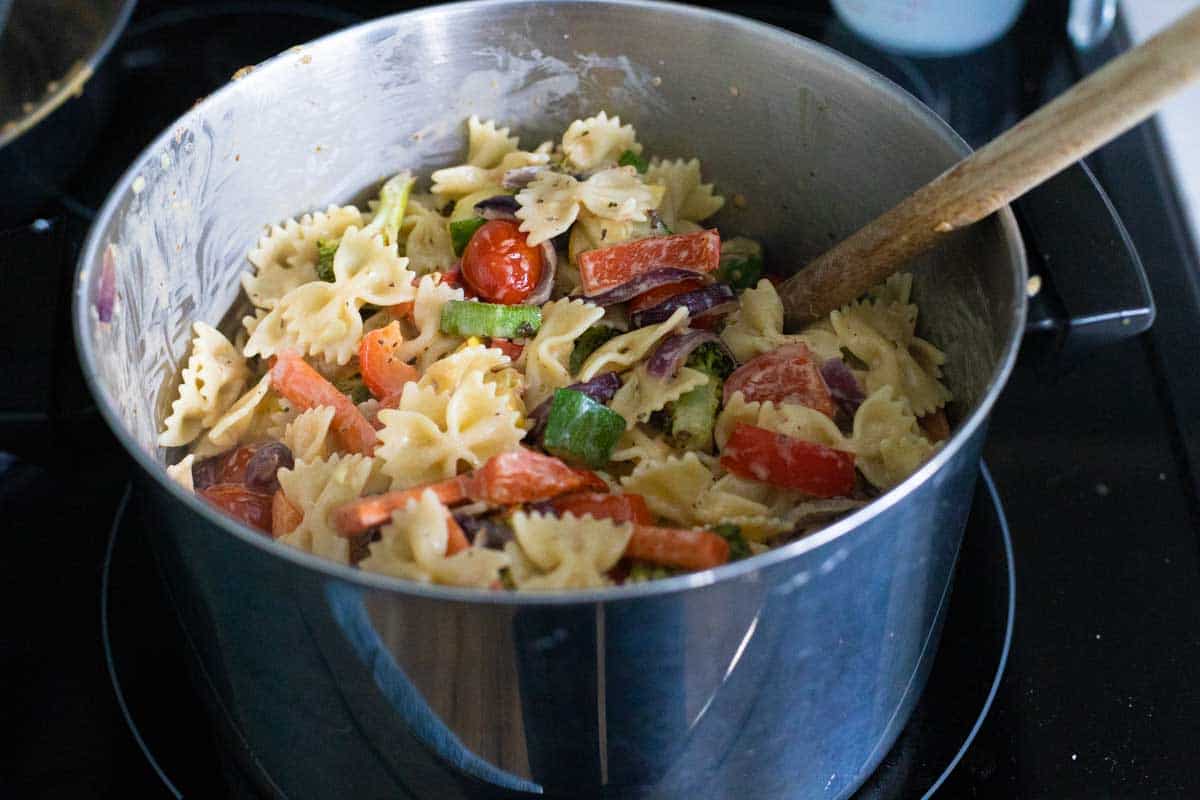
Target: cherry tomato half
[{"x": 499, "y": 265}]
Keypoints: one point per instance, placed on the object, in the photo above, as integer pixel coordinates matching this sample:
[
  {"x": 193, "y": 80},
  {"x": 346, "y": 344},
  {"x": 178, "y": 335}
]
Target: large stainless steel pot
[{"x": 787, "y": 675}]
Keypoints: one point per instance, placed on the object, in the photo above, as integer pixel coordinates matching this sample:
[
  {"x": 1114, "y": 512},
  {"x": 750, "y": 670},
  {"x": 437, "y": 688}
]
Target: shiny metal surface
[{"x": 787, "y": 675}]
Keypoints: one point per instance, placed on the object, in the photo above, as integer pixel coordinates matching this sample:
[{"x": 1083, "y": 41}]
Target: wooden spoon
[{"x": 1092, "y": 113}]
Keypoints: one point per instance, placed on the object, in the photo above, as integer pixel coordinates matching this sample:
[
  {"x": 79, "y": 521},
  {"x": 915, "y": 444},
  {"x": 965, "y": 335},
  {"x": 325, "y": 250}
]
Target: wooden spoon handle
[{"x": 1093, "y": 112}]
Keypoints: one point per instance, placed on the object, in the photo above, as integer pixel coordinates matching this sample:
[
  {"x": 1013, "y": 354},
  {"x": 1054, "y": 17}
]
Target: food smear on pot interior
[{"x": 544, "y": 370}]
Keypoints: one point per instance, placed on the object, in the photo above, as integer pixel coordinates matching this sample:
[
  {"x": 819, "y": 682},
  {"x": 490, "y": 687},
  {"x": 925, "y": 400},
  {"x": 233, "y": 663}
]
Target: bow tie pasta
[{"x": 544, "y": 370}]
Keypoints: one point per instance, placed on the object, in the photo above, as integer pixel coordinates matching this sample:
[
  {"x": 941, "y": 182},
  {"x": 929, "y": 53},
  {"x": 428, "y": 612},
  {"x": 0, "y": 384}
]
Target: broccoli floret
[
  {"x": 390, "y": 208},
  {"x": 738, "y": 547},
  {"x": 354, "y": 388},
  {"x": 642, "y": 571},
  {"x": 326, "y": 249},
  {"x": 711, "y": 359}
]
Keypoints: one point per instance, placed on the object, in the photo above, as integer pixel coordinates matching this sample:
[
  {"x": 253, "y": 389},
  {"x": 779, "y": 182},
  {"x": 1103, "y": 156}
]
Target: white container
[{"x": 929, "y": 27}]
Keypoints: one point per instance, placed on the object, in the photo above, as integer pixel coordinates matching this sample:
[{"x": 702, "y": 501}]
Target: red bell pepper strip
[
  {"x": 609, "y": 267},
  {"x": 617, "y": 507},
  {"x": 383, "y": 373},
  {"x": 252, "y": 508},
  {"x": 769, "y": 457},
  {"x": 305, "y": 388},
  {"x": 677, "y": 548}
]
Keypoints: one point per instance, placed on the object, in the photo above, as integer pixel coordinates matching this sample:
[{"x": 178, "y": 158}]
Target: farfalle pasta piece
[
  {"x": 213, "y": 379},
  {"x": 451, "y": 371},
  {"x": 762, "y": 511},
  {"x": 322, "y": 319},
  {"x": 639, "y": 444},
  {"x": 671, "y": 487},
  {"x": 413, "y": 546},
  {"x": 641, "y": 394},
  {"x": 429, "y": 344},
  {"x": 487, "y": 145},
  {"x": 597, "y": 141},
  {"x": 622, "y": 352},
  {"x": 181, "y": 472},
  {"x": 888, "y": 364},
  {"x": 246, "y": 419},
  {"x": 309, "y": 436},
  {"x": 287, "y": 256},
  {"x": 427, "y": 244},
  {"x": 458, "y": 182},
  {"x": 544, "y": 360},
  {"x": 790, "y": 419},
  {"x": 567, "y": 552},
  {"x": 888, "y": 443},
  {"x": 552, "y": 202},
  {"x": 757, "y": 325},
  {"x": 431, "y": 433},
  {"x": 316, "y": 488},
  {"x": 686, "y": 198}
]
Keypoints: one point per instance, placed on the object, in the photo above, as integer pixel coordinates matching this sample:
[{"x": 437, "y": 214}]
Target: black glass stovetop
[{"x": 1093, "y": 450}]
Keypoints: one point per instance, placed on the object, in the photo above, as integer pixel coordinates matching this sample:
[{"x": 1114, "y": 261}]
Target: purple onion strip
[
  {"x": 545, "y": 284},
  {"x": 500, "y": 206},
  {"x": 696, "y": 301},
  {"x": 600, "y": 388},
  {"x": 520, "y": 177},
  {"x": 673, "y": 351},
  {"x": 643, "y": 283},
  {"x": 494, "y": 531},
  {"x": 843, "y": 386},
  {"x": 106, "y": 290}
]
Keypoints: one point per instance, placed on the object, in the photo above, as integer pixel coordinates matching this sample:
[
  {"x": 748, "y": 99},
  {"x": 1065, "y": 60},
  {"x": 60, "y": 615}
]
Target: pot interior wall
[{"x": 815, "y": 148}]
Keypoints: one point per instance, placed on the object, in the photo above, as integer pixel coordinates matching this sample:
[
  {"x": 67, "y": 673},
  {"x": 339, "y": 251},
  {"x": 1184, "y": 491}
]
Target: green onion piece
[
  {"x": 461, "y": 232},
  {"x": 471, "y": 318},
  {"x": 326, "y": 249},
  {"x": 738, "y": 547},
  {"x": 354, "y": 388},
  {"x": 632, "y": 159},
  {"x": 742, "y": 273},
  {"x": 589, "y": 342},
  {"x": 580, "y": 429}
]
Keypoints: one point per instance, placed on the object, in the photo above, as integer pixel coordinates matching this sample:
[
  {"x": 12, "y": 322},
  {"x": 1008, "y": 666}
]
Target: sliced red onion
[
  {"x": 500, "y": 206},
  {"x": 600, "y": 388},
  {"x": 843, "y": 386},
  {"x": 697, "y": 302},
  {"x": 716, "y": 311},
  {"x": 106, "y": 289},
  {"x": 673, "y": 351},
  {"x": 521, "y": 177},
  {"x": 495, "y": 533},
  {"x": 643, "y": 283},
  {"x": 545, "y": 284}
]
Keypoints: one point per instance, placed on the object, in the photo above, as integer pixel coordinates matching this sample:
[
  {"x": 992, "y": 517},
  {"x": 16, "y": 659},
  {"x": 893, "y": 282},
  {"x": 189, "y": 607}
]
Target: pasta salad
[{"x": 544, "y": 373}]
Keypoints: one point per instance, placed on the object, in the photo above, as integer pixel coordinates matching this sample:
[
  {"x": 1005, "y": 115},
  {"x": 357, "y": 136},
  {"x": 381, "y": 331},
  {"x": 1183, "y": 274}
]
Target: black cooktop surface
[{"x": 1093, "y": 449}]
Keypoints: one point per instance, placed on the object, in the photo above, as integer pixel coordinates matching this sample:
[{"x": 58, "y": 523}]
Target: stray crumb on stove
[
  {"x": 306, "y": 58},
  {"x": 243, "y": 72},
  {"x": 1102, "y": 489},
  {"x": 735, "y": 91},
  {"x": 139, "y": 184},
  {"x": 1074, "y": 757},
  {"x": 656, "y": 81},
  {"x": 1033, "y": 285},
  {"x": 27, "y": 107},
  {"x": 52, "y": 87},
  {"x": 237, "y": 156},
  {"x": 739, "y": 200},
  {"x": 1162, "y": 476},
  {"x": 318, "y": 148}
]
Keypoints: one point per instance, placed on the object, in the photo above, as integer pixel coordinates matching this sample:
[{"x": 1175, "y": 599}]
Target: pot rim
[{"x": 744, "y": 569}]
